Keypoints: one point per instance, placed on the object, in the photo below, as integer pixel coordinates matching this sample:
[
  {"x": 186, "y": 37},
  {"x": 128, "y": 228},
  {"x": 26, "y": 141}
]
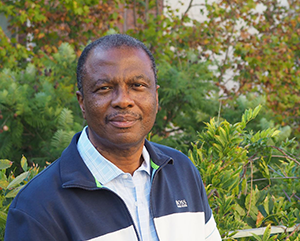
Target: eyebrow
[
  {"x": 104, "y": 80},
  {"x": 141, "y": 76},
  {"x": 134, "y": 78},
  {"x": 101, "y": 81}
]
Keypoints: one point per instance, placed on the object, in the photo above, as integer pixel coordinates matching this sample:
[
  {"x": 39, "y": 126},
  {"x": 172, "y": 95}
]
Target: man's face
[{"x": 120, "y": 98}]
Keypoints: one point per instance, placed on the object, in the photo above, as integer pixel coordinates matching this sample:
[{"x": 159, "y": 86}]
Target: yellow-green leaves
[
  {"x": 4, "y": 164},
  {"x": 18, "y": 180},
  {"x": 266, "y": 236},
  {"x": 250, "y": 114},
  {"x": 10, "y": 185},
  {"x": 24, "y": 164},
  {"x": 240, "y": 169}
]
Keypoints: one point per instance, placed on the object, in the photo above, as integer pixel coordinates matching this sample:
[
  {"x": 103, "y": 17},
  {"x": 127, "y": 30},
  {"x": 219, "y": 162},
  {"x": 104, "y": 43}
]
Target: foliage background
[{"x": 251, "y": 170}]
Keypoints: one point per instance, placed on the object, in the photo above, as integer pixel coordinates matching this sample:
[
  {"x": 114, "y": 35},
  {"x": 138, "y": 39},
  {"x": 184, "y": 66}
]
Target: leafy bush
[
  {"x": 251, "y": 179},
  {"x": 10, "y": 185},
  {"x": 36, "y": 105},
  {"x": 187, "y": 97}
]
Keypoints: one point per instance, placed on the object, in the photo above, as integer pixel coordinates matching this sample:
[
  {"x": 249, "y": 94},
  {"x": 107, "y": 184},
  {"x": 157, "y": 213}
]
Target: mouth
[{"x": 123, "y": 121}]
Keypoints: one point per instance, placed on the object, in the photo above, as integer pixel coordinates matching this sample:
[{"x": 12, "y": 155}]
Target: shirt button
[
  {"x": 125, "y": 176},
  {"x": 136, "y": 204}
]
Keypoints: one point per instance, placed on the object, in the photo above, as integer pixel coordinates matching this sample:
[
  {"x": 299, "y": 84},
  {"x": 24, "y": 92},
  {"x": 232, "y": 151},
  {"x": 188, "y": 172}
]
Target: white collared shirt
[{"x": 134, "y": 190}]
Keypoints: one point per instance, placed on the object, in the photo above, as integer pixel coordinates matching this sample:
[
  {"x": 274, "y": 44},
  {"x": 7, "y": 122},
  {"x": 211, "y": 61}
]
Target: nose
[{"x": 122, "y": 99}]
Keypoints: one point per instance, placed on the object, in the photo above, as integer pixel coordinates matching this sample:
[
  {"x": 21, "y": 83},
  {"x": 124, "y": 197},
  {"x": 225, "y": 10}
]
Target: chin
[{"x": 121, "y": 140}]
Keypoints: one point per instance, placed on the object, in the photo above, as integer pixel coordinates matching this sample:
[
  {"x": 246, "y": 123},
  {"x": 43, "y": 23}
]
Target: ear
[
  {"x": 157, "y": 104},
  {"x": 80, "y": 102}
]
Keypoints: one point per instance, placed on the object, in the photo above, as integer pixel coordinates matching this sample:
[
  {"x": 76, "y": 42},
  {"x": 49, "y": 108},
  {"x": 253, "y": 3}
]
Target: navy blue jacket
[{"x": 64, "y": 202}]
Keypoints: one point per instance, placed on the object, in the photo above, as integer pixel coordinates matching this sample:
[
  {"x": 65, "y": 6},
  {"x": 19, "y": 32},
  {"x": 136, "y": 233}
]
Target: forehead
[{"x": 123, "y": 57}]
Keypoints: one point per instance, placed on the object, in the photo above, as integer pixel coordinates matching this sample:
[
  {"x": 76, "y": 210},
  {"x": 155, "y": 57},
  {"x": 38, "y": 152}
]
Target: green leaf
[
  {"x": 218, "y": 147},
  {"x": 4, "y": 164},
  {"x": 4, "y": 183},
  {"x": 257, "y": 110},
  {"x": 3, "y": 217},
  {"x": 18, "y": 180},
  {"x": 240, "y": 210},
  {"x": 220, "y": 140},
  {"x": 256, "y": 237},
  {"x": 24, "y": 164},
  {"x": 223, "y": 134},
  {"x": 275, "y": 133},
  {"x": 14, "y": 192},
  {"x": 267, "y": 233},
  {"x": 268, "y": 205}
]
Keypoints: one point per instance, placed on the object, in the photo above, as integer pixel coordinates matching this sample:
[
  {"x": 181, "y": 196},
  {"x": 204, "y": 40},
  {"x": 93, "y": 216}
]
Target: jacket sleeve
[{"x": 22, "y": 227}]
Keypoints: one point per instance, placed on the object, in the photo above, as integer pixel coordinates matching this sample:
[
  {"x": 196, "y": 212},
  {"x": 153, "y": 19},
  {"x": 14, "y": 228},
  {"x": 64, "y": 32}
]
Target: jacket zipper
[
  {"x": 107, "y": 189},
  {"x": 152, "y": 182},
  {"x": 135, "y": 229}
]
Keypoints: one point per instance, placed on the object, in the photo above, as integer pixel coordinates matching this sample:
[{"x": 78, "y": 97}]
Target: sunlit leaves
[
  {"x": 10, "y": 185},
  {"x": 54, "y": 22},
  {"x": 241, "y": 172}
]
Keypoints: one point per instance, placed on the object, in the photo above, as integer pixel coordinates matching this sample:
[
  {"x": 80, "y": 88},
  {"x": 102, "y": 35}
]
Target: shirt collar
[{"x": 101, "y": 168}]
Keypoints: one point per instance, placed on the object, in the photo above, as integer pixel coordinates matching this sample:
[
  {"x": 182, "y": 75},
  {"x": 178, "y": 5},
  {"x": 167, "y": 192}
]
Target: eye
[
  {"x": 104, "y": 88},
  {"x": 137, "y": 85}
]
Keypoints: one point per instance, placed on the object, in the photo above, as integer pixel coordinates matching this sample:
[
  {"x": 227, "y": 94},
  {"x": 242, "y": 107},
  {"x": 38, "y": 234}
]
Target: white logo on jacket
[{"x": 181, "y": 203}]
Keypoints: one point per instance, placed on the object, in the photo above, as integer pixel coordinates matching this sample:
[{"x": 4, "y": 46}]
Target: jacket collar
[
  {"x": 75, "y": 174},
  {"x": 156, "y": 155}
]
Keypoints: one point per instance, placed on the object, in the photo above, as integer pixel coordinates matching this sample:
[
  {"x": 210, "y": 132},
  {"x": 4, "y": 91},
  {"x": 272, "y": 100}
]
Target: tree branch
[
  {"x": 251, "y": 188},
  {"x": 285, "y": 155},
  {"x": 296, "y": 229},
  {"x": 134, "y": 13},
  {"x": 188, "y": 8},
  {"x": 146, "y": 10},
  {"x": 272, "y": 178}
]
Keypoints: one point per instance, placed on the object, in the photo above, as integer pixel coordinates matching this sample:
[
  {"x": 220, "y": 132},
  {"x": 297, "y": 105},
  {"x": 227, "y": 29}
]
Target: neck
[{"x": 128, "y": 160}]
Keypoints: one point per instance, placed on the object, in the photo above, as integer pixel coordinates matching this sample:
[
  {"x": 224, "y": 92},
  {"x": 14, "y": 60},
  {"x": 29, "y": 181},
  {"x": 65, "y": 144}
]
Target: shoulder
[
  {"x": 179, "y": 177},
  {"x": 175, "y": 155},
  {"x": 48, "y": 185},
  {"x": 180, "y": 164},
  {"x": 38, "y": 188}
]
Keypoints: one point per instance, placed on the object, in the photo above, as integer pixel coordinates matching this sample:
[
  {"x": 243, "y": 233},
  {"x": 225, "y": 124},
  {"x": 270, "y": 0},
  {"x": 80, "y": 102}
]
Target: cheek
[
  {"x": 151, "y": 109},
  {"x": 93, "y": 108}
]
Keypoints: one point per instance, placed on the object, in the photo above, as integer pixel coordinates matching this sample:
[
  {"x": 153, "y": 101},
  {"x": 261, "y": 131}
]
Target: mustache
[{"x": 123, "y": 113}]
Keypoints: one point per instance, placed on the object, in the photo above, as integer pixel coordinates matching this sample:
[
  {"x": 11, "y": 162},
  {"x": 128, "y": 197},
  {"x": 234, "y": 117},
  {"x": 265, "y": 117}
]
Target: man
[{"x": 111, "y": 183}]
